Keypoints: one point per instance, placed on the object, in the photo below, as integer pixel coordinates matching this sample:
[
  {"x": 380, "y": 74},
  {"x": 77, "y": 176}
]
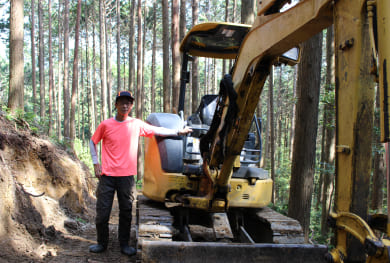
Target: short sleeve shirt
[{"x": 120, "y": 144}]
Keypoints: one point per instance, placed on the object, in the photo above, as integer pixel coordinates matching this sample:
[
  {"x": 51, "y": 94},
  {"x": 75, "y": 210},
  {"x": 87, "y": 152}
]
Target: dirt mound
[{"x": 46, "y": 196}]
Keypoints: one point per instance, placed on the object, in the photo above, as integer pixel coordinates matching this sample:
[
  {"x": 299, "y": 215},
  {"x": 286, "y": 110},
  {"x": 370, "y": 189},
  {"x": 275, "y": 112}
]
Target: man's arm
[
  {"x": 95, "y": 159},
  {"x": 160, "y": 131}
]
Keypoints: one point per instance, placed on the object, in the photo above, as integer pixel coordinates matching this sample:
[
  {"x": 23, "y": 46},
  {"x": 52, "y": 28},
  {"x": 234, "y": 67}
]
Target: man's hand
[
  {"x": 184, "y": 131},
  {"x": 98, "y": 170}
]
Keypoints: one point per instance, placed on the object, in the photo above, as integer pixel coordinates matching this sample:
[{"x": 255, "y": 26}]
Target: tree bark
[
  {"x": 131, "y": 47},
  {"x": 271, "y": 127},
  {"x": 90, "y": 88},
  {"x": 293, "y": 113},
  {"x": 41, "y": 62},
  {"x": 266, "y": 147},
  {"x": 60, "y": 70},
  {"x": 154, "y": 51},
  {"x": 33, "y": 62},
  {"x": 16, "y": 64},
  {"x": 139, "y": 61},
  {"x": 103, "y": 69},
  {"x": 183, "y": 10},
  {"x": 144, "y": 43},
  {"x": 118, "y": 46},
  {"x": 75, "y": 77},
  {"x": 247, "y": 12},
  {"x": 278, "y": 119},
  {"x": 166, "y": 71},
  {"x": 303, "y": 162},
  {"x": 51, "y": 75},
  {"x": 379, "y": 165},
  {"x": 329, "y": 141},
  {"x": 175, "y": 56},
  {"x": 94, "y": 79},
  {"x": 226, "y": 20},
  {"x": 195, "y": 76},
  {"x": 66, "y": 72},
  {"x": 234, "y": 11},
  {"x": 108, "y": 65}
]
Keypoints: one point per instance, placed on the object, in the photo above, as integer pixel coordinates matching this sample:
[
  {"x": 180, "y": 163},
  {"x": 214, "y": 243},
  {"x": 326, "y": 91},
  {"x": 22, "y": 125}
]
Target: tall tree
[
  {"x": 195, "y": 76},
  {"x": 75, "y": 76},
  {"x": 16, "y": 63},
  {"x": 33, "y": 62},
  {"x": 183, "y": 31},
  {"x": 154, "y": 51},
  {"x": 131, "y": 46},
  {"x": 118, "y": 45},
  {"x": 51, "y": 74},
  {"x": 41, "y": 61},
  {"x": 144, "y": 47},
  {"x": 139, "y": 61},
  {"x": 90, "y": 87},
  {"x": 183, "y": 11},
  {"x": 94, "y": 78},
  {"x": 108, "y": 62},
  {"x": 247, "y": 11},
  {"x": 271, "y": 127},
  {"x": 329, "y": 133},
  {"x": 234, "y": 18},
  {"x": 103, "y": 69},
  {"x": 278, "y": 119},
  {"x": 175, "y": 55},
  {"x": 379, "y": 164},
  {"x": 66, "y": 72},
  {"x": 166, "y": 71},
  {"x": 293, "y": 111},
  {"x": 60, "y": 70},
  {"x": 226, "y": 20},
  {"x": 302, "y": 170}
]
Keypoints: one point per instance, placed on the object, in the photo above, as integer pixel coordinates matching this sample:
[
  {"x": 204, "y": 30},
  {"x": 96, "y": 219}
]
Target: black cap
[{"x": 124, "y": 93}]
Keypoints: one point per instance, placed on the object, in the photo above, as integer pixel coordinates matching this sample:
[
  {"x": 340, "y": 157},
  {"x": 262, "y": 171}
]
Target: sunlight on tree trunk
[
  {"x": 303, "y": 162},
  {"x": 16, "y": 65}
]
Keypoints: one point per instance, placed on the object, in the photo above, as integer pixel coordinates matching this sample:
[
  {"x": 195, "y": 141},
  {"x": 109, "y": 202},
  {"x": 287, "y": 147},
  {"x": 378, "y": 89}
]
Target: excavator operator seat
[
  {"x": 201, "y": 120},
  {"x": 200, "y": 123},
  {"x": 207, "y": 108}
]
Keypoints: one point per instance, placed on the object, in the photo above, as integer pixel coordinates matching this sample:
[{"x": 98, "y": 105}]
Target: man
[{"x": 119, "y": 165}]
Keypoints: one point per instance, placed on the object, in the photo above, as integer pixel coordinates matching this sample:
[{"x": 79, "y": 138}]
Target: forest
[{"x": 72, "y": 57}]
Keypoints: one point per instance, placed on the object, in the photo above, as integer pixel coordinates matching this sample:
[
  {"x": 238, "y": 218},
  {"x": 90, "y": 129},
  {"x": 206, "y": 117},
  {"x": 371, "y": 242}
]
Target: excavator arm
[{"x": 259, "y": 50}]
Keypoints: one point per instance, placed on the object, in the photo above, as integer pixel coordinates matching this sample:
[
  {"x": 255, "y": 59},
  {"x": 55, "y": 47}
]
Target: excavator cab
[{"x": 200, "y": 123}]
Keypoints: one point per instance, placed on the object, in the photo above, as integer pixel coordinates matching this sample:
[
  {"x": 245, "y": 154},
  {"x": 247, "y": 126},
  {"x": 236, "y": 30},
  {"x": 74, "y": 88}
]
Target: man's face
[{"x": 124, "y": 105}]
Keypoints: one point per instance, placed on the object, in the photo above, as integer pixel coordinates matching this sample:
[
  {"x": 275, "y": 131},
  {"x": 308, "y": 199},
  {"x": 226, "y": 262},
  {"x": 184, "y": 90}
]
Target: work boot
[
  {"x": 97, "y": 248},
  {"x": 127, "y": 250}
]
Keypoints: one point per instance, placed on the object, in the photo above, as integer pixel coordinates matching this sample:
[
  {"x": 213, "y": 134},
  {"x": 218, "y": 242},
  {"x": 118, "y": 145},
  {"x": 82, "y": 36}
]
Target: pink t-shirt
[{"x": 120, "y": 144}]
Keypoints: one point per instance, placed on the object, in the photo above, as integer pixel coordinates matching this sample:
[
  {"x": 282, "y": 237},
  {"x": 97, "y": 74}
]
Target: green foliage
[
  {"x": 82, "y": 151},
  {"x": 78, "y": 219},
  {"x": 4, "y": 20},
  {"x": 315, "y": 229},
  {"x": 21, "y": 118},
  {"x": 138, "y": 185}
]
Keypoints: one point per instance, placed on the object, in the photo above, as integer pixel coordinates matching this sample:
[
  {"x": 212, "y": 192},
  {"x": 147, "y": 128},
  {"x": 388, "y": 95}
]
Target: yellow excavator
[{"x": 205, "y": 199}]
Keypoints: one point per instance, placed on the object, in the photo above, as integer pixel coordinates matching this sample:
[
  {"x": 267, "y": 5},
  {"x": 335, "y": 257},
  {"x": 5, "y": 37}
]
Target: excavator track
[
  {"x": 283, "y": 229},
  {"x": 154, "y": 221},
  {"x": 283, "y": 237}
]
